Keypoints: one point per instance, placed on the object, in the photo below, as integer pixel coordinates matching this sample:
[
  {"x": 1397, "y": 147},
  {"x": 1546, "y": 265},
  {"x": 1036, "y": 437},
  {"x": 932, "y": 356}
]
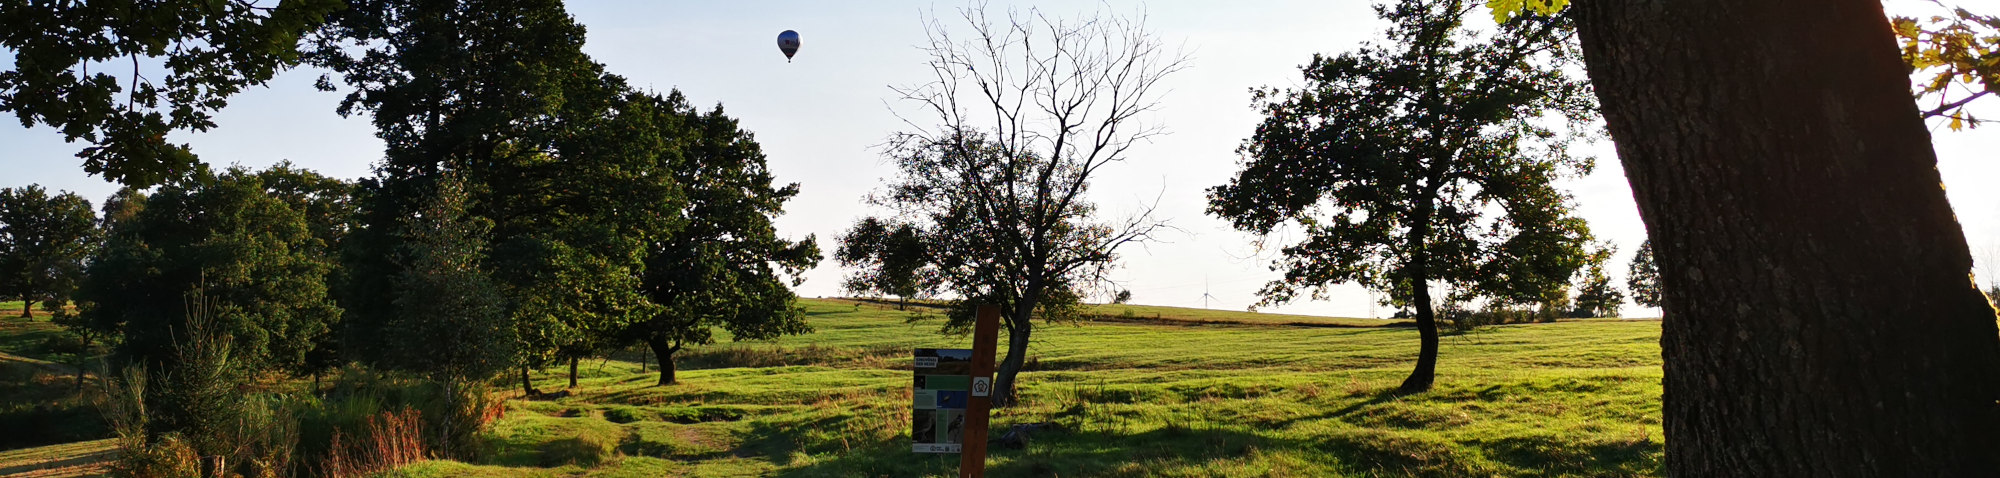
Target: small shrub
[
  {"x": 423, "y": 418},
  {"x": 388, "y": 441},
  {"x": 269, "y": 434},
  {"x": 168, "y": 457}
]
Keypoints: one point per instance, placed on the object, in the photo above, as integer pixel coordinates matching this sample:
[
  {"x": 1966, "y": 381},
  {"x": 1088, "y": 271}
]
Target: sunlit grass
[{"x": 1576, "y": 398}]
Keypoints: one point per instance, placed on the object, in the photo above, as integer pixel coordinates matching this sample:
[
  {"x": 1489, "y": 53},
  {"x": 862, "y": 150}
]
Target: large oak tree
[
  {"x": 725, "y": 265},
  {"x": 1426, "y": 161}
]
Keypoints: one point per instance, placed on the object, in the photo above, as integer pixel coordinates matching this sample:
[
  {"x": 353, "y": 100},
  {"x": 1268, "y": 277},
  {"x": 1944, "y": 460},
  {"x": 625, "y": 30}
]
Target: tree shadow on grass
[
  {"x": 1054, "y": 454},
  {"x": 1204, "y": 450},
  {"x": 1640, "y": 457}
]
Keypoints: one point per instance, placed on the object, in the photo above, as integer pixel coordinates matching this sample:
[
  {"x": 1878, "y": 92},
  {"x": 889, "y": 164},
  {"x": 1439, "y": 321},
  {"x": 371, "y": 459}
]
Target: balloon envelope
[{"x": 788, "y": 42}]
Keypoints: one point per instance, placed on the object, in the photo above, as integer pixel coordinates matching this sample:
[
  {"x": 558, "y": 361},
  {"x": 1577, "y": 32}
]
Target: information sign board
[{"x": 941, "y": 390}]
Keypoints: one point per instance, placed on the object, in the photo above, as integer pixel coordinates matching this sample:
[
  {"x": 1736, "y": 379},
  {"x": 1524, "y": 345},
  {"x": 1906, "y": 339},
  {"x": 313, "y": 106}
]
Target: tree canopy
[
  {"x": 887, "y": 258},
  {"x": 1959, "y": 53},
  {"x": 44, "y": 242},
  {"x": 1595, "y": 295},
  {"x": 1429, "y": 159},
  {"x": 501, "y": 95},
  {"x": 1643, "y": 276},
  {"x": 69, "y": 58},
  {"x": 250, "y": 253},
  {"x": 725, "y": 265}
]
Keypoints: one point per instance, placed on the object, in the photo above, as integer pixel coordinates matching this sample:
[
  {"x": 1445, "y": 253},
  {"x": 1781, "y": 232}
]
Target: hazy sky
[{"x": 821, "y": 116}]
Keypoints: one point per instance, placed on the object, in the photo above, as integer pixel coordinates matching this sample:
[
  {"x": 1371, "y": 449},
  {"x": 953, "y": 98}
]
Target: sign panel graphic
[{"x": 943, "y": 384}]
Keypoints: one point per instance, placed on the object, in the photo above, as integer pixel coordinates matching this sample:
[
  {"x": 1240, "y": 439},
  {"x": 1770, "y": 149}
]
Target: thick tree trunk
[
  {"x": 528, "y": 387},
  {"x": 572, "y": 372},
  {"x": 1019, "y": 326},
  {"x": 1425, "y": 374},
  {"x": 664, "y": 352},
  {"x": 1818, "y": 320},
  {"x": 27, "y": 307},
  {"x": 1005, "y": 393}
]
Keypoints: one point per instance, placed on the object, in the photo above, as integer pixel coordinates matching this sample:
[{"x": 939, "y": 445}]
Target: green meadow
[
  {"x": 1573, "y": 398},
  {"x": 1202, "y": 393}
]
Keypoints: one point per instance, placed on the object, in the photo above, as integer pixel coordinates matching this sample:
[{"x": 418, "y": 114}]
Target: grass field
[
  {"x": 1573, "y": 398},
  {"x": 12, "y": 309},
  {"x": 1576, "y": 398}
]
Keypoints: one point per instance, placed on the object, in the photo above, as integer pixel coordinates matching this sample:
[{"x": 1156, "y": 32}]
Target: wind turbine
[{"x": 1205, "y": 296}]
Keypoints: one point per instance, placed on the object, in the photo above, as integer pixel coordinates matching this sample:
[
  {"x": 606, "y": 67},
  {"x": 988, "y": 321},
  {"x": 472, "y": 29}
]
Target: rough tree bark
[
  {"x": 572, "y": 372},
  {"x": 1819, "y": 319}
]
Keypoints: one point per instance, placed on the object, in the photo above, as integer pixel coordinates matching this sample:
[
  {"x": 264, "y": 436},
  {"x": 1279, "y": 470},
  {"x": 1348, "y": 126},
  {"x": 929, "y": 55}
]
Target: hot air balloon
[{"x": 788, "y": 42}]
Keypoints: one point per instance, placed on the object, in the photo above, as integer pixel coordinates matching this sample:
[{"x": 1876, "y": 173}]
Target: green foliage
[
  {"x": 449, "y": 322},
  {"x": 1507, "y": 10},
  {"x": 250, "y": 253},
  {"x": 327, "y": 204},
  {"x": 888, "y": 258},
  {"x": 44, "y": 241},
  {"x": 209, "y": 50},
  {"x": 1957, "y": 52},
  {"x": 194, "y": 392},
  {"x": 1427, "y": 160},
  {"x": 725, "y": 265},
  {"x": 565, "y": 164},
  {"x": 451, "y": 415},
  {"x": 1427, "y": 154},
  {"x": 1643, "y": 277},
  {"x": 1595, "y": 296}
]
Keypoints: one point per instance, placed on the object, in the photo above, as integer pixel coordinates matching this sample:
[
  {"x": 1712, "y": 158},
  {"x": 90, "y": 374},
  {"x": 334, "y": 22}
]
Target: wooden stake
[{"x": 972, "y": 453}]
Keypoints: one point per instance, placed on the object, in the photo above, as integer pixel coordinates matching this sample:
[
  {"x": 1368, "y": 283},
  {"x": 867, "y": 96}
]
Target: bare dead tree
[{"x": 1026, "y": 111}]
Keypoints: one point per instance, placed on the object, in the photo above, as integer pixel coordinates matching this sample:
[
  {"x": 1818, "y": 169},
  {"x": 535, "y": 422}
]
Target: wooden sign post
[{"x": 985, "y": 330}]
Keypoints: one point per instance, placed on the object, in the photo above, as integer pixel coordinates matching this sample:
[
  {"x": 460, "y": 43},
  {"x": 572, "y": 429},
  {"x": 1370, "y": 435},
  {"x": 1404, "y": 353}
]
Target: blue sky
[{"x": 820, "y": 117}]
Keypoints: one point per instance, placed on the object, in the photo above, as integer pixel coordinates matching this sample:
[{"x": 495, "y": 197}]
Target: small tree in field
[
  {"x": 450, "y": 322},
  {"x": 1643, "y": 278},
  {"x": 887, "y": 258},
  {"x": 1026, "y": 112},
  {"x": 1595, "y": 296},
  {"x": 43, "y": 243},
  {"x": 1424, "y": 161}
]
